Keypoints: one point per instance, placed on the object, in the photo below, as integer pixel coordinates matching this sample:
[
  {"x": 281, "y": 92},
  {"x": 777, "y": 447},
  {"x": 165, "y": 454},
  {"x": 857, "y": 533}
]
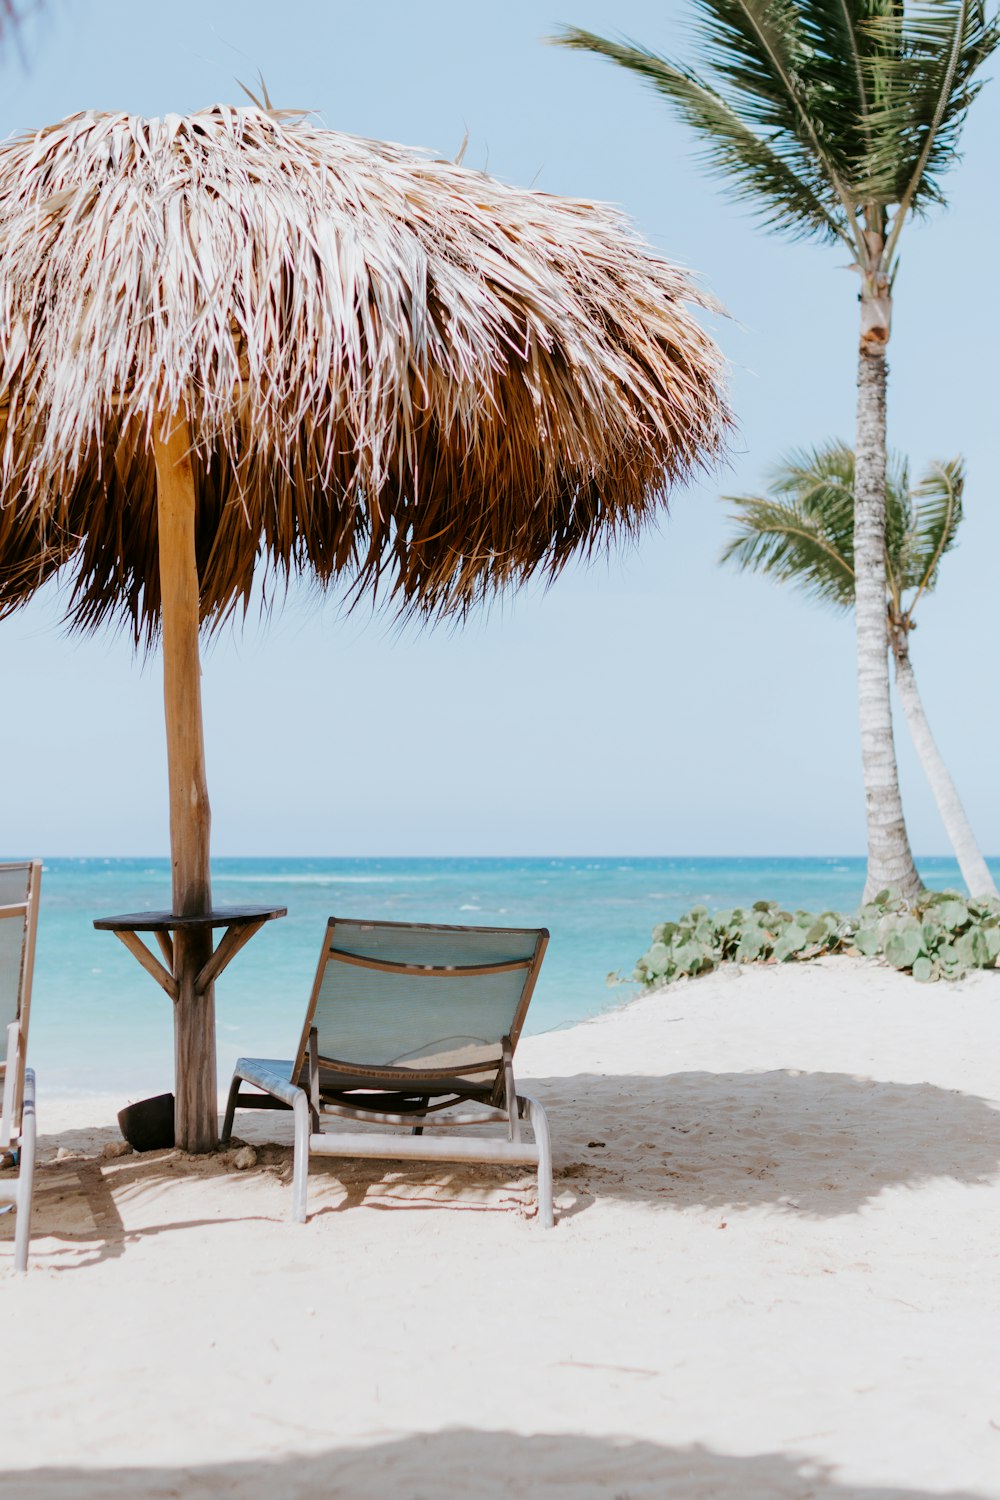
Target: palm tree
[
  {"x": 837, "y": 119},
  {"x": 802, "y": 533}
]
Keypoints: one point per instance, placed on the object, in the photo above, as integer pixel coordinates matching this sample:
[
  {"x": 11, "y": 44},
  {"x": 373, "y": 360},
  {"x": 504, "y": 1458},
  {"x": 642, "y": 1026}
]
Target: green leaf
[
  {"x": 867, "y": 940},
  {"x": 903, "y": 946},
  {"x": 821, "y": 930},
  {"x": 658, "y": 958},
  {"x": 974, "y": 949},
  {"x": 692, "y": 958},
  {"x": 953, "y": 913},
  {"x": 791, "y": 941},
  {"x": 752, "y": 946},
  {"x": 932, "y": 935},
  {"x": 923, "y": 969}
]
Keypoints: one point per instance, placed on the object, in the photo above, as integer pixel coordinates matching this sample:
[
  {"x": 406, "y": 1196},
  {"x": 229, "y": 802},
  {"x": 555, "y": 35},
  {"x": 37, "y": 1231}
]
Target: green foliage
[
  {"x": 942, "y": 936},
  {"x": 819, "y": 110},
  {"x": 802, "y": 531},
  {"x": 939, "y": 936}
]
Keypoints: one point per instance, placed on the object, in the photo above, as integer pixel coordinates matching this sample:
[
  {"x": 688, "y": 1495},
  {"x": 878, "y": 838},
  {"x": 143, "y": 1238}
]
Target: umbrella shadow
[
  {"x": 819, "y": 1144},
  {"x": 814, "y": 1144},
  {"x": 458, "y": 1462},
  {"x": 76, "y": 1218}
]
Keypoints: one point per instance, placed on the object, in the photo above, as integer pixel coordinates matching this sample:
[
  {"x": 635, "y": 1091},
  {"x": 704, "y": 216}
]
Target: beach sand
[{"x": 774, "y": 1273}]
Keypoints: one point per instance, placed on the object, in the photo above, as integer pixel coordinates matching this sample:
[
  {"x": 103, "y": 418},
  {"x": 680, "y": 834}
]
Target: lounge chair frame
[
  {"x": 403, "y": 1097},
  {"x": 17, "y": 1118}
]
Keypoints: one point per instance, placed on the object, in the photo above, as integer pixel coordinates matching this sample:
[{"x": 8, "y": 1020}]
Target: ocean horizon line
[{"x": 526, "y": 858}]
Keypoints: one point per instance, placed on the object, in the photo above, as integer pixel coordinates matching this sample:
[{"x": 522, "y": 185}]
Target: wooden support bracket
[
  {"x": 166, "y": 943},
  {"x": 149, "y": 962},
  {"x": 230, "y": 944}
]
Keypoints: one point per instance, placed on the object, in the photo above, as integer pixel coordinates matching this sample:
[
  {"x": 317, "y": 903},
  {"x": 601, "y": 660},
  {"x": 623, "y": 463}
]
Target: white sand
[{"x": 777, "y": 1277}]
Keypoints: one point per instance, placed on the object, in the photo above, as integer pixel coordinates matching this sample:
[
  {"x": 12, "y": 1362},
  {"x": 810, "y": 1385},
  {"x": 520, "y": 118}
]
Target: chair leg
[
  {"x": 227, "y": 1123},
  {"x": 300, "y": 1163},
  {"x": 510, "y": 1092},
  {"x": 314, "y": 1092},
  {"x": 419, "y": 1129},
  {"x": 26, "y": 1177},
  {"x": 540, "y": 1125}
]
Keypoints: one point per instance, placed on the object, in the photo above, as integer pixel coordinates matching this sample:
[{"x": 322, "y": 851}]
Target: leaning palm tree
[
  {"x": 837, "y": 119},
  {"x": 802, "y": 532}
]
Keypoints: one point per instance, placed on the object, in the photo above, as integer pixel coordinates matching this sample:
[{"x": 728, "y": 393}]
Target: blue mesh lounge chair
[
  {"x": 19, "y": 888},
  {"x": 405, "y": 1021}
]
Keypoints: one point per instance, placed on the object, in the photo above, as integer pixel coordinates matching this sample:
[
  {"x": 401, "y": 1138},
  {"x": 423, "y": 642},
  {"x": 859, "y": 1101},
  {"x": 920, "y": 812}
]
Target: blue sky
[{"x": 650, "y": 705}]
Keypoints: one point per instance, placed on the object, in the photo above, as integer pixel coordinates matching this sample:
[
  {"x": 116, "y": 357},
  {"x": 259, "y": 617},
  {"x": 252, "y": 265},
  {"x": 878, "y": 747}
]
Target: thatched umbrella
[{"x": 237, "y": 340}]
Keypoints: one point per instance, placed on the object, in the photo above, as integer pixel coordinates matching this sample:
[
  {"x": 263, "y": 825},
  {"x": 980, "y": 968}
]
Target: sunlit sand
[{"x": 777, "y": 1194}]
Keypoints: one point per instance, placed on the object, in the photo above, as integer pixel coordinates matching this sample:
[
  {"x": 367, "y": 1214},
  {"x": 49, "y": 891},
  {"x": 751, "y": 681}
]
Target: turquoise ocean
[{"x": 101, "y": 1025}]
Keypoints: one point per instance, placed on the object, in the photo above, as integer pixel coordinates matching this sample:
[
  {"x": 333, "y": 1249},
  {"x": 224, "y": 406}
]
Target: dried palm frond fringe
[{"x": 396, "y": 369}]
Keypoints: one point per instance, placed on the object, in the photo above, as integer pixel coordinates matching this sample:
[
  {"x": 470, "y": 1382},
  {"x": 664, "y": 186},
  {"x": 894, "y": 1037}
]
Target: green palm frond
[
  {"x": 922, "y": 68},
  {"x": 824, "y": 109},
  {"x": 802, "y": 531},
  {"x": 785, "y": 82},
  {"x": 937, "y": 515},
  {"x": 774, "y": 172},
  {"x": 772, "y": 539}
]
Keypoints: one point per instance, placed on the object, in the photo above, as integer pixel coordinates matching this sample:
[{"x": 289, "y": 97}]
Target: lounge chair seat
[
  {"x": 404, "y": 1023},
  {"x": 19, "y": 889}
]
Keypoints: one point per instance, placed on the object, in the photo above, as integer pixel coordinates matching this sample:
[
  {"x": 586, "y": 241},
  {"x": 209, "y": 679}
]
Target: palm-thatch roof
[{"x": 393, "y": 367}]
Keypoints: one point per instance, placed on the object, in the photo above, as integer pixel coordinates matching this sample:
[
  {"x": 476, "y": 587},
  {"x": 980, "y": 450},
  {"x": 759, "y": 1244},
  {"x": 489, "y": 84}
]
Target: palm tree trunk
[
  {"x": 971, "y": 863},
  {"x": 890, "y": 861}
]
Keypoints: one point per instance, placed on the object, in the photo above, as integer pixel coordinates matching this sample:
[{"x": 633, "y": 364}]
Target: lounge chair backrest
[
  {"x": 19, "y": 885},
  {"x": 397, "y": 997}
]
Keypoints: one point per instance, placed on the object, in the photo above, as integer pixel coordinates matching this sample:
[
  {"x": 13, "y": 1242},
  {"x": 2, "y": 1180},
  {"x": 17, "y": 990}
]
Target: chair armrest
[{"x": 270, "y": 1074}]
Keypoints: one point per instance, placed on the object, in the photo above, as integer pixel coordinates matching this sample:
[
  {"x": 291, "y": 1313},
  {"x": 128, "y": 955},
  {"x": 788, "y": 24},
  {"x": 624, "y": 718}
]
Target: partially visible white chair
[{"x": 19, "y": 891}]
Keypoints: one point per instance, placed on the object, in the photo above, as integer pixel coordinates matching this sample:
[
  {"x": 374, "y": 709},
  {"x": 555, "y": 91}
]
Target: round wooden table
[{"x": 194, "y": 1066}]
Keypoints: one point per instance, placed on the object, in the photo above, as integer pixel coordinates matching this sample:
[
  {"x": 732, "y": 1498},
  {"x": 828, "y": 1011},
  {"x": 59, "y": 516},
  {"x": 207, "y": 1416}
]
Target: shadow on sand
[
  {"x": 815, "y": 1144},
  {"x": 821, "y": 1144},
  {"x": 460, "y": 1464}
]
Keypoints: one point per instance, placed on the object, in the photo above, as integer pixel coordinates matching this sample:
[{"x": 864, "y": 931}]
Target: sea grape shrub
[
  {"x": 699, "y": 941},
  {"x": 939, "y": 936}
]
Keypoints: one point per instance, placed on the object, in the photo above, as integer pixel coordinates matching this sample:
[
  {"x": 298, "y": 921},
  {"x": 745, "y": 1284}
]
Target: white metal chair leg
[
  {"x": 26, "y": 1175},
  {"x": 300, "y": 1161},
  {"x": 540, "y": 1126}
]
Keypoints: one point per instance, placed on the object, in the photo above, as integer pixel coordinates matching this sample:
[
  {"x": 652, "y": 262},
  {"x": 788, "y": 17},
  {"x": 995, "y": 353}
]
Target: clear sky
[{"x": 651, "y": 705}]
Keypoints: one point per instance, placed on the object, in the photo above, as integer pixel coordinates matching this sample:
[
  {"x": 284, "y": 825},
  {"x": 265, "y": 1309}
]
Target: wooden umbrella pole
[{"x": 196, "y": 1118}]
